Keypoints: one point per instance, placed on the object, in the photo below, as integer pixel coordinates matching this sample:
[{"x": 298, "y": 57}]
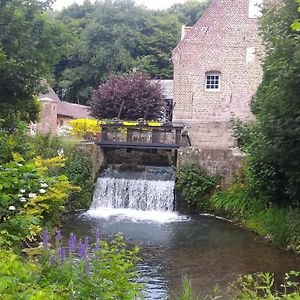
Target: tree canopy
[
  {"x": 130, "y": 97},
  {"x": 29, "y": 45},
  {"x": 117, "y": 37}
]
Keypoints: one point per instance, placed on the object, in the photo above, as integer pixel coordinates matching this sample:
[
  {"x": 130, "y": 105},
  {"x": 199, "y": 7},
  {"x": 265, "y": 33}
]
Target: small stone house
[
  {"x": 55, "y": 114},
  {"x": 217, "y": 70}
]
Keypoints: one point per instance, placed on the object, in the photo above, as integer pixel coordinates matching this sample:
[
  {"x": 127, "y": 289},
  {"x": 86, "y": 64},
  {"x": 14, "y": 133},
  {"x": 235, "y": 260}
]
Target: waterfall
[{"x": 150, "y": 190}]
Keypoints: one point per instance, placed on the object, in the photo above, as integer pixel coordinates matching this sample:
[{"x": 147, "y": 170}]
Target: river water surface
[{"x": 210, "y": 250}]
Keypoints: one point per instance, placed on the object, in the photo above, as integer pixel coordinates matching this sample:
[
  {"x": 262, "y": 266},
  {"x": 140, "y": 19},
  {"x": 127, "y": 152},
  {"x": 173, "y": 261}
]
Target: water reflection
[{"x": 209, "y": 250}]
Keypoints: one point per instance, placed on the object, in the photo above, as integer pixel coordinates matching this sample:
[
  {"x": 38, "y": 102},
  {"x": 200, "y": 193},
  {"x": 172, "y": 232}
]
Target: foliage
[
  {"x": 262, "y": 286},
  {"x": 116, "y": 37},
  {"x": 101, "y": 270},
  {"x": 48, "y": 146},
  {"x": 273, "y": 143},
  {"x": 29, "y": 46},
  {"x": 233, "y": 201},
  {"x": 279, "y": 225},
  {"x": 195, "y": 185},
  {"x": 19, "y": 279},
  {"x": 78, "y": 169},
  {"x": 77, "y": 166},
  {"x": 190, "y": 11},
  {"x": 132, "y": 96},
  {"x": 82, "y": 126},
  {"x": 13, "y": 141},
  {"x": 113, "y": 37},
  {"x": 257, "y": 286},
  {"x": 29, "y": 198},
  {"x": 187, "y": 293}
]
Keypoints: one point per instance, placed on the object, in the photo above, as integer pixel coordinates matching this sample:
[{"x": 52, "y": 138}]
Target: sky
[{"x": 153, "y": 4}]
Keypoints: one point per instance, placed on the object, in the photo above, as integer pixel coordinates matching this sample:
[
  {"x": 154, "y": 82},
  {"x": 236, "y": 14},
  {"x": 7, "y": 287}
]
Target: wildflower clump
[{"x": 91, "y": 270}]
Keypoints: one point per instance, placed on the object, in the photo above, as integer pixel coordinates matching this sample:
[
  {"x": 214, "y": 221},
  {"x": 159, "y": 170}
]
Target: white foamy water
[
  {"x": 135, "y": 196},
  {"x": 135, "y": 215}
]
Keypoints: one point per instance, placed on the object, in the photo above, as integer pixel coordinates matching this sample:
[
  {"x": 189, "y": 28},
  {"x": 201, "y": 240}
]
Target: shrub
[
  {"x": 77, "y": 166},
  {"x": 48, "y": 146},
  {"x": 29, "y": 198},
  {"x": 100, "y": 270},
  {"x": 19, "y": 279},
  {"x": 13, "y": 140},
  {"x": 78, "y": 169},
  {"x": 261, "y": 286},
  {"x": 82, "y": 126},
  {"x": 195, "y": 185}
]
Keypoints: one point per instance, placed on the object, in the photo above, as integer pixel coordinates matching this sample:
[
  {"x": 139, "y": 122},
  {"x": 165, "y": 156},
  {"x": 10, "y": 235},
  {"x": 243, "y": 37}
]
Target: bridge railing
[{"x": 140, "y": 135}]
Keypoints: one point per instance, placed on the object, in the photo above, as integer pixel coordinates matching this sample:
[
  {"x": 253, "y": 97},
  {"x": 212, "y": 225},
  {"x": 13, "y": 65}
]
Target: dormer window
[
  {"x": 255, "y": 8},
  {"x": 212, "y": 81}
]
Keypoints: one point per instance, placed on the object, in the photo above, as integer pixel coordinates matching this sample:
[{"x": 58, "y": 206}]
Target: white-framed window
[
  {"x": 255, "y": 8},
  {"x": 212, "y": 81}
]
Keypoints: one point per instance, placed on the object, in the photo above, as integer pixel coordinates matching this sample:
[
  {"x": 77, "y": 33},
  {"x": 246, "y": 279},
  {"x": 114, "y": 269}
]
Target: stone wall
[
  {"x": 98, "y": 157},
  {"x": 226, "y": 162}
]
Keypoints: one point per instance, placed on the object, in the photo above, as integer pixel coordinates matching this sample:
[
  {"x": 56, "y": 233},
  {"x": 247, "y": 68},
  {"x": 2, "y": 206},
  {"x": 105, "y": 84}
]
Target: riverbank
[{"x": 278, "y": 224}]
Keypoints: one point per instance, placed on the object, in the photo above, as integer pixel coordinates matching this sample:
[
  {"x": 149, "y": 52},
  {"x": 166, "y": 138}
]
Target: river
[{"x": 209, "y": 250}]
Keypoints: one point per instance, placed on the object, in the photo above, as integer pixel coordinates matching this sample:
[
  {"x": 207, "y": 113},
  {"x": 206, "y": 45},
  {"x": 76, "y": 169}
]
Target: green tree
[
  {"x": 114, "y": 37},
  {"x": 29, "y": 45},
  {"x": 190, "y": 11}
]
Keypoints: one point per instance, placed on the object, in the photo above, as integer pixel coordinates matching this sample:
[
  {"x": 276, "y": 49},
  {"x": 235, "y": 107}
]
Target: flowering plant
[
  {"x": 98, "y": 270},
  {"x": 29, "y": 198}
]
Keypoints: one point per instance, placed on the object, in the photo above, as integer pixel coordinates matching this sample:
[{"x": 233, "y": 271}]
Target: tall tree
[
  {"x": 190, "y": 11},
  {"x": 114, "y": 37},
  {"x": 29, "y": 45}
]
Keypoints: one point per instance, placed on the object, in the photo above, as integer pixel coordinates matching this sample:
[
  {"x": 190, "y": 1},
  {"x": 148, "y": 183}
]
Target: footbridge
[{"x": 144, "y": 135}]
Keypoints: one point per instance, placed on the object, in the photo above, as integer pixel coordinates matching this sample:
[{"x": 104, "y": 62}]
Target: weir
[{"x": 149, "y": 190}]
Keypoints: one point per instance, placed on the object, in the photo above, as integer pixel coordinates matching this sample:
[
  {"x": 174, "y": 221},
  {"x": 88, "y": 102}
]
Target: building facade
[
  {"x": 56, "y": 114},
  {"x": 217, "y": 70}
]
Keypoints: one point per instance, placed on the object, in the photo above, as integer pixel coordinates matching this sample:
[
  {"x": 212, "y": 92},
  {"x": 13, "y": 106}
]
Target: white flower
[
  {"x": 31, "y": 195},
  {"x": 23, "y": 199},
  {"x": 42, "y": 191},
  {"x": 44, "y": 185},
  {"x": 60, "y": 152},
  {"x": 22, "y": 191},
  {"x": 20, "y": 195},
  {"x": 11, "y": 207}
]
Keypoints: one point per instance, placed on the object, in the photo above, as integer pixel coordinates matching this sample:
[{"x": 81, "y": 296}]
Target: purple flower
[
  {"x": 45, "y": 237},
  {"x": 72, "y": 242},
  {"x": 86, "y": 243},
  {"x": 52, "y": 260},
  {"x": 82, "y": 250},
  {"x": 62, "y": 253},
  {"x": 58, "y": 235}
]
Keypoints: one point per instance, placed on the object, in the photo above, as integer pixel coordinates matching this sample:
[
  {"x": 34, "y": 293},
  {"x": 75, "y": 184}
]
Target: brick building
[
  {"x": 217, "y": 70},
  {"x": 55, "y": 114}
]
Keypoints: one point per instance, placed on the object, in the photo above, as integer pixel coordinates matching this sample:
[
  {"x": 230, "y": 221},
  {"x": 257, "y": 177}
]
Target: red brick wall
[{"x": 218, "y": 42}]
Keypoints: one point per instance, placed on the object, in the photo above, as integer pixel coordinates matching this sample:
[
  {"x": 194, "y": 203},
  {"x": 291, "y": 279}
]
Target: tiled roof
[
  {"x": 166, "y": 87},
  {"x": 72, "y": 110},
  {"x": 49, "y": 96}
]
